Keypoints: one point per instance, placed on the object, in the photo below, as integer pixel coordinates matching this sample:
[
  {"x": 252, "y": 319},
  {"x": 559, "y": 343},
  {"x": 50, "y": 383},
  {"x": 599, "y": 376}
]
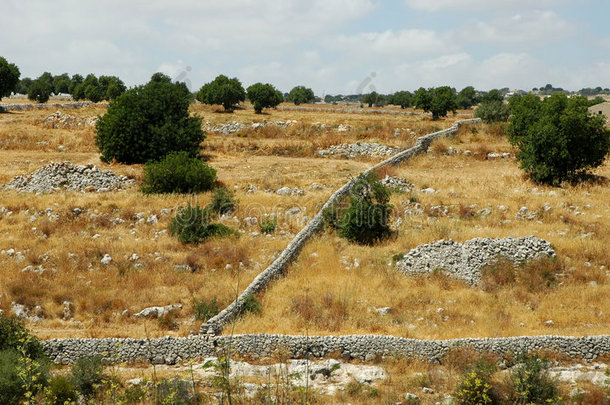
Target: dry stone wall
[
  {"x": 172, "y": 350},
  {"x": 26, "y": 107},
  {"x": 215, "y": 324}
]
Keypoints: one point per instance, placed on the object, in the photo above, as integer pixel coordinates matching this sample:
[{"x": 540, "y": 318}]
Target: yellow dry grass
[{"x": 323, "y": 291}]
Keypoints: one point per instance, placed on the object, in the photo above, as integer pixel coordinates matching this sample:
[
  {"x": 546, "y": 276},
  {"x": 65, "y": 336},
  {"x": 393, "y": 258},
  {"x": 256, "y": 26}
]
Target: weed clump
[
  {"x": 178, "y": 173},
  {"x": 193, "y": 224}
]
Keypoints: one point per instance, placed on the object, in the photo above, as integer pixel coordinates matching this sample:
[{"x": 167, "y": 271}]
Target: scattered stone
[
  {"x": 106, "y": 259},
  {"x": 524, "y": 214},
  {"x": 427, "y": 390},
  {"x": 157, "y": 312},
  {"x": 65, "y": 175},
  {"x": 67, "y": 311},
  {"x": 429, "y": 190},
  {"x": 397, "y": 183},
  {"x": 290, "y": 191},
  {"x": 465, "y": 260}
]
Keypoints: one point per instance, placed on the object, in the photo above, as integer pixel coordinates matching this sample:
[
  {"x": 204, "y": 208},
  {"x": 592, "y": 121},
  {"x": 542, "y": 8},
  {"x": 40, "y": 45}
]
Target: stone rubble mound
[
  {"x": 465, "y": 260},
  {"x": 353, "y": 150},
  {"x": 65, "y": 175},
  {"x": 397, "y": 183},
  {"x": 61, "y": 120},
  {"x": 234, "y": 126}
]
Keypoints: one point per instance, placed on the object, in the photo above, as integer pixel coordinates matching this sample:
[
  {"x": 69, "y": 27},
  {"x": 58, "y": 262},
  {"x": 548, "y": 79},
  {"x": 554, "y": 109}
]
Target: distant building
[{"x": 603, "y": 108}]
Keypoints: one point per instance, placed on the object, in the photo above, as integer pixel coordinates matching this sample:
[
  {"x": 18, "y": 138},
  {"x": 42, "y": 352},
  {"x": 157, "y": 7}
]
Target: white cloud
[
  {"x": 530, "y": 29},
  {"x": 481, "y": 5}
]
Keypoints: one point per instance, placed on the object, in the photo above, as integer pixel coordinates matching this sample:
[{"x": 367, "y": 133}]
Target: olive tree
[
  {"x": 301, "y": 94},
  {"x": 264, "y": 96},
  {"x": 558, "y": 138},
  {"x": 9, "y": 77},
  {"x": 148, "y": 122},
  {"x": 222, "y": 90}
]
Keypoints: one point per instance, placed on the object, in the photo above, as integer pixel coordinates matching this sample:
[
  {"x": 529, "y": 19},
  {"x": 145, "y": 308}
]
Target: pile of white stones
[
  {"x": 465, "y": 260},
  {"x": 65, "y": 175},
  {"x": 352, "y": 150},
  {"x": 397, "y": 183},
  {"x": 61, "y": 120}
]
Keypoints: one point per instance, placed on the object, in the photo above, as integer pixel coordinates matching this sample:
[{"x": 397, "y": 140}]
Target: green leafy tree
[
  {"x": 224, "y": 91},
  {"x": 40, "y": 90},
  {"x": 467, "y": 97},
  {"x": 23, "y": 87},
  {"x": 493, "y": 111},
  {"x": 558, "y": 139},
  {"x": 370, "y": 98},
  {"x": 365, "y": 221},
  {"x": 61, "y": 83},
  {"x": 402, "y": 98},
  {"x": 492, "y": 95},
  {"x": 422, "y": 99},
  {"x": 148, "y": 122},
  {"x": 9, "y": 77},
  {"x": 264, "y": 96},
  {"x": 74, "y": 81},
  {"x": 443, "y": 101},
  {"x": 112, "y": 87},
  {"x": 300, "y": 95},
  {"x": 92, "y": 89}
]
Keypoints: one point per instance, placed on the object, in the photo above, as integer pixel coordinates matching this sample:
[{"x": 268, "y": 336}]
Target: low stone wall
[
  {"x": 172, "y": 350},
  {"x": 26, "y": 107},
  {"x": 215, "y": 325},
  {"x": 355, "y": 110}
]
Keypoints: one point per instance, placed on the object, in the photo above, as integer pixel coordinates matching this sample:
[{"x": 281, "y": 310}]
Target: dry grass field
[{"x": 334, "y": 286}]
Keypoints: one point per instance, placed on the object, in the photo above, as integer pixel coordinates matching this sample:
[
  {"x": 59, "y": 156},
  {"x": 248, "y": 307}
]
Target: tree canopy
[
  {"x": 148, "y": 122},
  {"x": 264, "y": 96},
  {"x": 558, "y": 139},
  {"x": 439, "y": 101},
  {"x": 222, "y": 90},
  {"x": 9, "y": 77},
  {"x": 401, "y": 98},
  {"x": 301, "y": 94}
]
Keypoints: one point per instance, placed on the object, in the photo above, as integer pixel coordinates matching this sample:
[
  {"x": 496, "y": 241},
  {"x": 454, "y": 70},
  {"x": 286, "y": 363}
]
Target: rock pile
[
  {"x": 61, "y": 120},
  {"x": 352, "y": 150},
  {"x": 66, "y": 175},
  {"x": 397, "y": 183},
  {"x": 465, "y": 260},
  {"x": 234, "y": 126}
]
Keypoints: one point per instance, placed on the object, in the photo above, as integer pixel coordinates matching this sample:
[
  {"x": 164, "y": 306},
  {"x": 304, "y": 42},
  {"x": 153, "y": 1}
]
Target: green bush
[
  {"x": 87, "y": 375},
  {"x": 192, "y": 225},
  {"x": 223, "y": 201},
  {"x": 61, "y": 391},
  {"x": 175, "y": 391},
  {"x": 205, "y": 310},
  {"x": 475, "y": 387},
  {"x": 268, "y": 225},
  {"x": 11, "y": 388},
  {"x": 178, "y": 172},
  {"x": 531, "y": 383},
  {"x": 492, "y": 111},
  {"x": 250, "y": 305},
  {"x": 148, "y": 122},
  {"x": 365, "y": 221},
  {"x": 40, "y": 91},
  {"x": 558, "y": 139},
  {"x": 15, "y": 336}
]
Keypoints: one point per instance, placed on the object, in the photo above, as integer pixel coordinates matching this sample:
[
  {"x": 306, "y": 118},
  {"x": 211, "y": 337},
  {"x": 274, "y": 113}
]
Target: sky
[{"x": 331, "y": 46}]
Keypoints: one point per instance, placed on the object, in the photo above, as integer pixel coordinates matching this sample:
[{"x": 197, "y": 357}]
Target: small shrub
[
  {"x": 268, "y": 226},
  {"x": 87, "y": 375},
  {"x": 178, "y": 173},
  {"x": 365, "y": 221},
  {"x": 475, "y": 386},
  {"x": 15, "y": 336},
  {"x": 398, "y": 257},
  {"x": 250, "y": 305},
  {"x": 61, "y": 391},
  {"x": 168, "y": 321},
  {"x": 531, "y": 383},
  {"x": 175, "y": 391},
  {"x": 205, "y": 310},
  {"x": 223, "y": 201},
  {"x": 192, "y": 225},
  {"x": 11, "y": 389}
]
